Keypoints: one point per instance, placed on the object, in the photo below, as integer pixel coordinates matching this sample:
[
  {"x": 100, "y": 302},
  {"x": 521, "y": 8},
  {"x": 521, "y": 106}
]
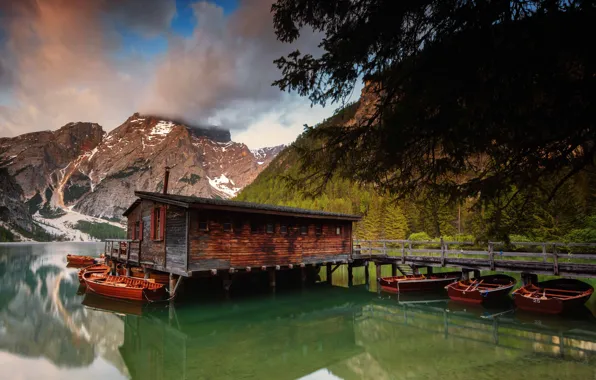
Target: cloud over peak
[{"x": 67, "y": 60}]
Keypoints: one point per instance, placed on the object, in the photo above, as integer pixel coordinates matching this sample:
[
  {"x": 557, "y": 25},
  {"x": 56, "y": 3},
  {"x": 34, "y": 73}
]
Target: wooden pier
[{"x": 548, "y": 258}]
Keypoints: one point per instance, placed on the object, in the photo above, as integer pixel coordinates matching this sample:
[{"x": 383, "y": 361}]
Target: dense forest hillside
[{"x": 570, "y": 216}]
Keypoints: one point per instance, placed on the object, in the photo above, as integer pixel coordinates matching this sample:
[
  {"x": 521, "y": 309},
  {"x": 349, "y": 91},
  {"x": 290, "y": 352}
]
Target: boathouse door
[{"x": 176, "y": 238}]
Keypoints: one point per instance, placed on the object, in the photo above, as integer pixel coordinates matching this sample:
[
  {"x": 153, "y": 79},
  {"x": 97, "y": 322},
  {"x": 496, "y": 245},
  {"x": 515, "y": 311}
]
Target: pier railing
[
  {"x": 124, "y": 249},
  {"x": 556, "y": 258}
]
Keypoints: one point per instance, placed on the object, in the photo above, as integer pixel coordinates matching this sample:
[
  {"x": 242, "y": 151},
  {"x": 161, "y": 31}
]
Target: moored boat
[
  {"x": 98, "y": 269},
  {"x": 77, "y": 260},
  {"x": 418, "y": 282},
  {"x": 553, "y": 296},
  {"x": 484, "y": 289},
  {"x": 125, "y": 287}
]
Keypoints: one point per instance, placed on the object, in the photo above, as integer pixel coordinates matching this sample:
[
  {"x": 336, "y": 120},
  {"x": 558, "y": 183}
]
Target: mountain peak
[{"x": 210, "y": 132}]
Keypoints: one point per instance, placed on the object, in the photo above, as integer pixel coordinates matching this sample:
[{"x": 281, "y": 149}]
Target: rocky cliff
[{"x": 79, "y": 168}]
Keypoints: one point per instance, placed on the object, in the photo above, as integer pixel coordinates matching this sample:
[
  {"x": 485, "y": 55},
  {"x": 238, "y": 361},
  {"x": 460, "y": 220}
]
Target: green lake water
[{"x": 50, "y": 329}]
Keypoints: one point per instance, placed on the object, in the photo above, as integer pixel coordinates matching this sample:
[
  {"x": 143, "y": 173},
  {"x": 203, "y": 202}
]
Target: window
[
  {"x": 137, "y": 231},
  {"x": 254, "y": 227},
  {"x": 304, "y": 230},
  {"x": 283, "y": 229},
  {"x": 270, "y": 228},
  {"x": 203, "y": 225},
  {"x": 158, "y": 217},
  {"x": 338, "y": 230},
  {"x": 319, "y": 229},
  {"x": 238, "y": 226},
  {"x": 227, "y": 225}
]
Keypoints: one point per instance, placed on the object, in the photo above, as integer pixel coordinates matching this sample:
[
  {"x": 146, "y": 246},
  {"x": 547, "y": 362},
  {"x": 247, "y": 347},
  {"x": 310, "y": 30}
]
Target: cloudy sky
[{"x": 208, "y": 62}]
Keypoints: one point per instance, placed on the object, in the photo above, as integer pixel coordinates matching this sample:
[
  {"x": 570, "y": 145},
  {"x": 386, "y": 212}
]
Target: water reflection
[{"x": 319, "y": 333}]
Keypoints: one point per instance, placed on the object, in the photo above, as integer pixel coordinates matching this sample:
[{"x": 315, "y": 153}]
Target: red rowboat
[
  {"x": 418, "y": 282},
  {"x": 98, "y": 270},
  {"x": 553, "y": 296},
  {"x": 76, "y": 260},
  {"x": 125, "y": 287},
  {"x": 484, "y": 289}
]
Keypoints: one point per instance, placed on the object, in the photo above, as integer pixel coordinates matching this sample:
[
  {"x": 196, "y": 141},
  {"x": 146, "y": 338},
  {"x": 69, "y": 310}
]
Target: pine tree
[{"x": 395, "y": 225}]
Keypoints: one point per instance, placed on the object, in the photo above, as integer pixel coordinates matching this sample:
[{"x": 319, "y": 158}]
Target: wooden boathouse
[{"x": 193, "y": 236}]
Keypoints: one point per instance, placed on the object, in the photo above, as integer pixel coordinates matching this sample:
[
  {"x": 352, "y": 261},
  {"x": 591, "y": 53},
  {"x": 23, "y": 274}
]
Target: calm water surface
[{"x": 49, "y": 330}]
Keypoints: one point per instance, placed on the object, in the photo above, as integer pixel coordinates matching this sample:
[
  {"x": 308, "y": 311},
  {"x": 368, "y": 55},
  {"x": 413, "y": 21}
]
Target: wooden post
[
  {"x": 350, "y": 276},
  {"x": 403, "y": 252},
  {"x": 442, "y": 252},
  {"x": 415, "y": 269},
  {"x": 303, "y": 275},
  {"x": 491, "y": 256},
  {"x": 128, "y": 251},
  {"x": 370, "y": 247},
  {"x": 227, "y": 282},
  {"x": 378, "y": 269},
  {"x": 394, "y": 269},
  {"x": 529, "y": 278},
  {"x": 128, "y": 271},
  {"x": 147, "y": 273},
  {"x": 384, "y": 248},
  {"x": 556, "y": 260},
  {"x": 114, "y": 268},
  {"x": 366, "y": 274},
  {"x": 272, "y": 283},
  {"x": 544, "y": 252},
  {"x": 172, "y": 284},
  {"x": 465, "y": 275},
  {"x": 329, "y": 274},
  {"x": 429, "y": 270},
  {"x": 476, "y": 273}
]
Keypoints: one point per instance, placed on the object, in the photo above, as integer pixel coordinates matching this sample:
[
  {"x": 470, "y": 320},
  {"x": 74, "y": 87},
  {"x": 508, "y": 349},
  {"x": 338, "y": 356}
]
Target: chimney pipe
[{"x": 166, "y": 179}]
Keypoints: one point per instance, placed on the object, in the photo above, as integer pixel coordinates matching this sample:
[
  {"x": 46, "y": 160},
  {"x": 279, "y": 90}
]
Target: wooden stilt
[
  {"x": 415, "y": 269},
  {"x": 272, "y": 283},
  {"x": 172, "y": 285},
  {"x": 227, "y": 283},
  {"x": 128, "y": 271},
  {"x": 476, "y": 273},
  {"x": 147, "y": 273},
  {"x": 303, "y": 275},
  {"x": 529, "y": 278},
  {"x": 366, "y": 274},
  {"x": 378, "y": 268},
  {"x": 394, "y": 269},
  {"x": 329, "y": 274},
  {"x": 465, "y": 274},
  {"x": 350, "y": 276},
  {"x": 429, "y": 270}
]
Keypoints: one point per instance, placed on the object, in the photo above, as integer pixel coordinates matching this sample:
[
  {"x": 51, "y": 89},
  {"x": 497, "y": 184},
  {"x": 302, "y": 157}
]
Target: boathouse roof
[{"x": 229, "y": 205}]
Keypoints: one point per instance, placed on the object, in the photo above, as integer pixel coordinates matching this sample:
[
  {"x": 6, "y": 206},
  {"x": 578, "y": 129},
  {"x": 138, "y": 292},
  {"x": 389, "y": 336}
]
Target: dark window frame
[
  {"x": 318, "y": 229},
  {"x": 255, "y": 228},
  {"x": 304, "y": 229},
  {"x": 227, "y": 225},
  {"x": 206, "y": 222},
  {"x": 270, "y": 228},
  {"x": 283, "y": 229},
  {"x": 338, "y": 230}
]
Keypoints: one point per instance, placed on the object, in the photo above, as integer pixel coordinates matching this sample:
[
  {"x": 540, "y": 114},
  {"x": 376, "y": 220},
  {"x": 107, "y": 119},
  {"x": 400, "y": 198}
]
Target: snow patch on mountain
[
  {"x": 64, "y": 225},
  {"x": 224, "y": 185}
]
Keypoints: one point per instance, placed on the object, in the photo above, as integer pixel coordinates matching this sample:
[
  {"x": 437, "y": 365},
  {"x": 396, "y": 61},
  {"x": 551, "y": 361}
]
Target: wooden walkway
[{"x": 551, "y": 258}]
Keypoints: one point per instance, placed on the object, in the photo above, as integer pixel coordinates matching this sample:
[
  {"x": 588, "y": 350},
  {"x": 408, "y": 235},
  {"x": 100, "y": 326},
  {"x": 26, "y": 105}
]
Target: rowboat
[
  {"x": 418, "y": 282},
  {"x": 136, "y": 272},
  {"x": 97, "y": 269},
  {"x": 77, "y": 260},
  {"x": 125, "y": 288},
  {"x": 553, "y": 296},
  {"x": 484, "y": 289}
]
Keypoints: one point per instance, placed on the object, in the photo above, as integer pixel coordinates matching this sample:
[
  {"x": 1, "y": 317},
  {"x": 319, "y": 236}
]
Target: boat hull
[
  {"x": 98, "y": 269},
  {"x": 467, "y": 292},
  {"x": 552, "y": 305},
  {"x": 75, "y": 260},
  {"x": 125, "y": 292},
  {"x": 403, "y": 284}
]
